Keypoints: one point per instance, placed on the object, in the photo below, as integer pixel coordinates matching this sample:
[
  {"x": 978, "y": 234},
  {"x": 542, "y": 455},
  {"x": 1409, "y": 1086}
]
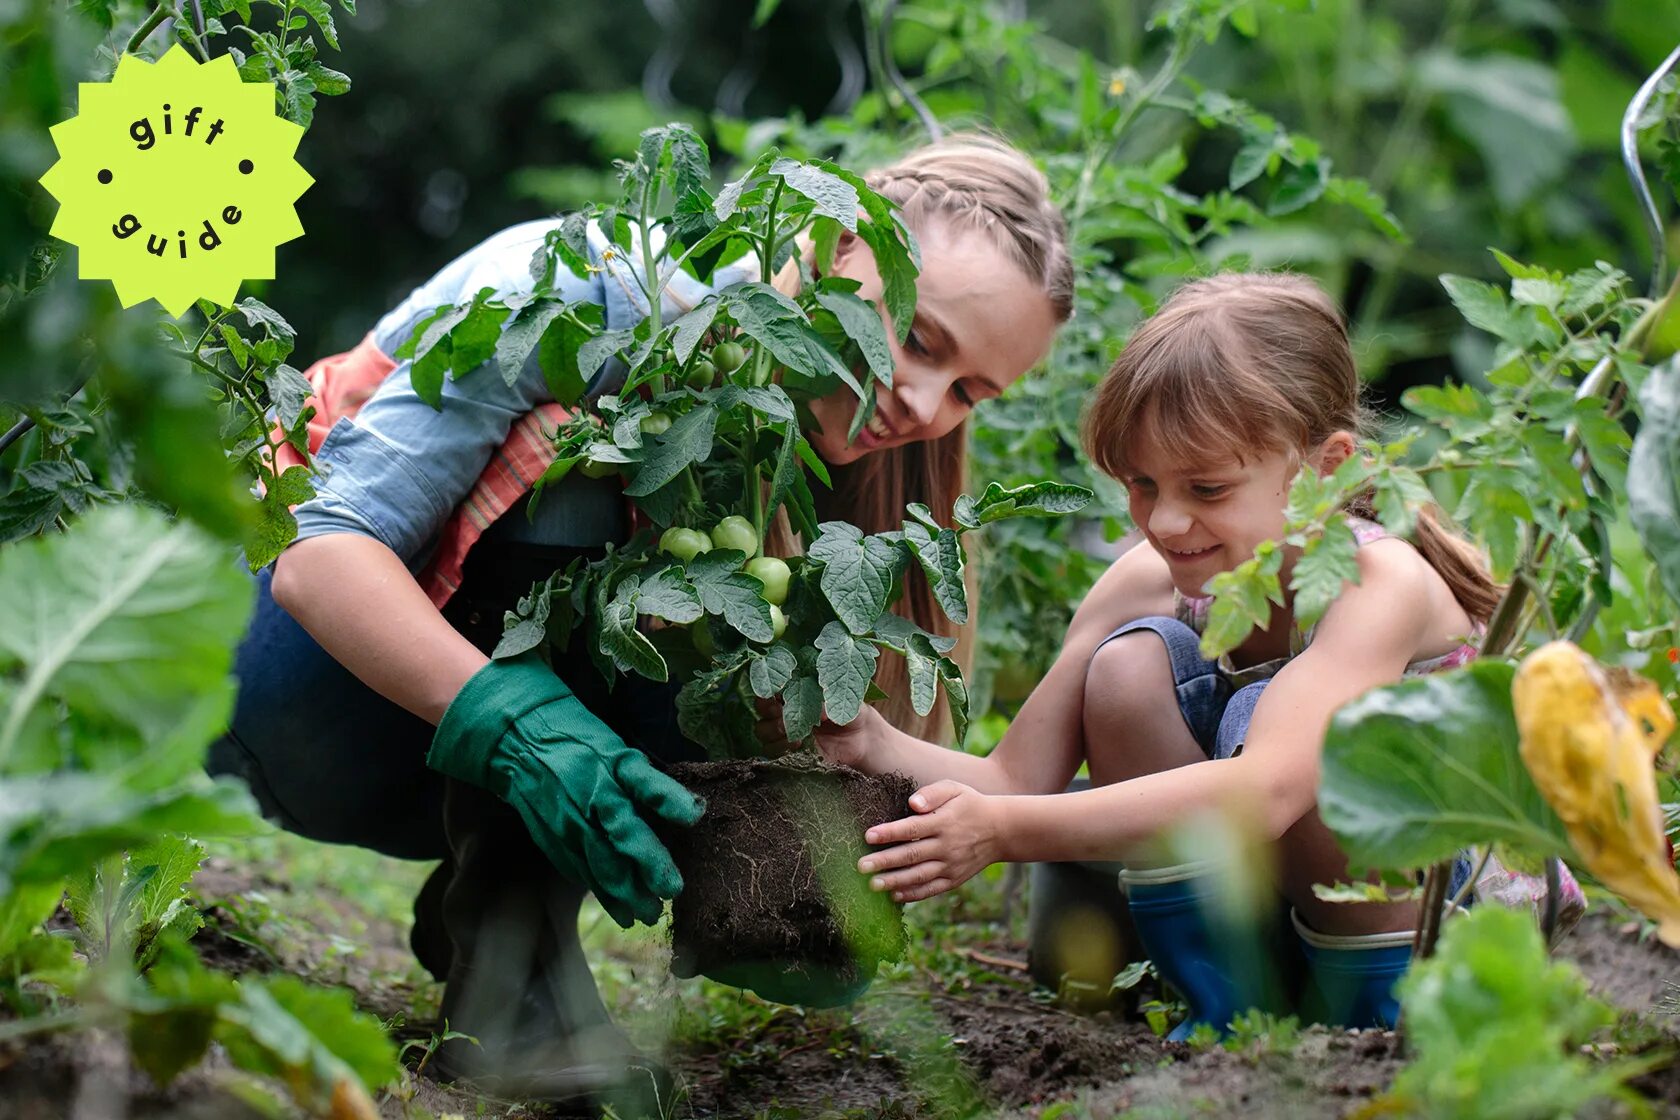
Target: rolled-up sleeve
[{"x": 399, "y": 468}]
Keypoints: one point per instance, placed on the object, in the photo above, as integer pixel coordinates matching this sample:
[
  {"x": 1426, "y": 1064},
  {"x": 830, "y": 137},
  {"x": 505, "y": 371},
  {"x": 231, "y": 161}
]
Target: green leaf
[
  {"x": 896, "y": 263},
  {"x": 802, "y": 707},
  {"x": 858, "y": 572},
  {"x": 1242, "y": 600},
  {"x": 321, "y": 12},
  {"x": 922, "y": 663},
  {"x": 941, "y": 557},
  {"x": 770, "y": 673},
  {"x": 665, "y": 594},
  {"x": 309, "y": 1036},
  {"x": 845, "y": 666},
  {"x": 1653, "y": 480},
  {"x": 956, "y": 698},
  {"x": 290, "y": 391},
  {"x": 629, "y": 649},
  {"x": 763, "y": 12},
  {"x": 1300, "y": 187},
  {"x": 1037, "y": 499},
  {"x": 688, "y": 441},
  {"x": 524, "y": 330},
  {"x": 692, "y": 327},
  {"x": 1396, "y": 494},
  {"x": 1327, "y": 561},
  {"x": 276, "y": 527},
  {"x": 1357, "y": 193},
  {"x": 726, "y": 590},
  {"x": 124, "y": 616},
  {"x": 833, "y": 196},
  {"x": 1416, "y": 771},
  {"x": 862, "y": 324},
  {"x": 560, "y": 353},
  {"x": 769, "y": 317}
]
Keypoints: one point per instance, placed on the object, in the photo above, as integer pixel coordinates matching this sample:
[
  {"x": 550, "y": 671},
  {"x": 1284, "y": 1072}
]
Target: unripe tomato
[
  {"x": 773, "y": 573},
  {"x": 597, "y": 468},
  {"x": 701, "y": 635},
  {"x": 736, "y": 532},
  {"x": 701, "y": 374},
  {"x": 778, "y": 622},
  {"x": 729, "y": 355},
  {"x": 684, "y": 544},
  {"x": 656, "y": 423}
]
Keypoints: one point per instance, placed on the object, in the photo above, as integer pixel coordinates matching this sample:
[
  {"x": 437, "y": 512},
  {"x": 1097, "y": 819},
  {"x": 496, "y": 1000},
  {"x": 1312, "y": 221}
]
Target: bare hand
[
  {"x": 842, "y": 744},
  {"x": 952, "y": 837}
]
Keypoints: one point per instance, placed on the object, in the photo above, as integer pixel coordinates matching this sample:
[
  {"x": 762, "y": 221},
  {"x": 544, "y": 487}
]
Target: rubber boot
[
  {"x": 1350, "y": 979},
  {"x": 1079, "y": 931},
  {"x": 1221, "y": 962},
  {"x": 519, "y": 983}
]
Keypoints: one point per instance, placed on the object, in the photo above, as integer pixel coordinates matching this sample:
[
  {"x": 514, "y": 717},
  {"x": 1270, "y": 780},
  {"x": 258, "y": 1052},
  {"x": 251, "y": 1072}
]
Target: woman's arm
[
  {"x": 1044, "y": 745},
  {"x": 1365, "y": 640},
  {"x": 355, "y": 597}
]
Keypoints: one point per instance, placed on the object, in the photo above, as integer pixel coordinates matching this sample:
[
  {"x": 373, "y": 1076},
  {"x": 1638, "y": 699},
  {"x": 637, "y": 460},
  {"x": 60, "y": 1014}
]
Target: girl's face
[
  {"x": 980, "y": 324},
  {"x": 1206, "y": 517}
]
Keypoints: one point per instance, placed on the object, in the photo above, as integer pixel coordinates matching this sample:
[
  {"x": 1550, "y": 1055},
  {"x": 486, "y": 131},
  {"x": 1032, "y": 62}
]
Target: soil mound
[{"x": 772, "y": 898}]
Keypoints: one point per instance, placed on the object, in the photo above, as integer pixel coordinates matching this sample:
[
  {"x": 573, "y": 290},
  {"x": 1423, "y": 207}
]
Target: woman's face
[{"x": 980, "y": 324}]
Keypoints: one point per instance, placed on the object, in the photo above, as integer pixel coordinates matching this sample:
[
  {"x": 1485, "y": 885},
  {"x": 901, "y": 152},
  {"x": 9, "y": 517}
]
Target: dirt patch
[
  {"x": 1634, "y": 972},
  {"x": 772, "y": 898},
  {"x": 89, "y": 1074},
  {"x": 1024, "y": 1052}
]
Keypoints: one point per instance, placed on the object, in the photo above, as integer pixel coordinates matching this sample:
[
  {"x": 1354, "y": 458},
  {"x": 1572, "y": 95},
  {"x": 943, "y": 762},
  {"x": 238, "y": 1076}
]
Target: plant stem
[
  {"x": 1429, "y": 910},
  {"x": 154, "y": 21}
]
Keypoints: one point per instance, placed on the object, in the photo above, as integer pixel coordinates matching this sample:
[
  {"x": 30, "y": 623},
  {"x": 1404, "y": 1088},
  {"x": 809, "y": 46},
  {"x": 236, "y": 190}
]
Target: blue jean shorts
[{"x": 1217, "y": 712}]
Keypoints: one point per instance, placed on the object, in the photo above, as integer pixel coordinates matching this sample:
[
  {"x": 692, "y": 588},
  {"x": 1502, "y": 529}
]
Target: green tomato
[
  {"x": 736, "y": 532},
  {"x": 773, "y": 573},
  {"x": 778, "y": 622},
  {"x": 701, "y": 635},
  {"x": 684, "y": 544},
  {"x": 701, "y": 374},
  {"x": 729, "y": 356},
  {"x": 656, "y": 423},
  {"x": 597, "y": 468}
]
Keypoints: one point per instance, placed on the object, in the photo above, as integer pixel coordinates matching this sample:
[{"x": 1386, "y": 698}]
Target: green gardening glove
[{"x": 516, "y": 729}]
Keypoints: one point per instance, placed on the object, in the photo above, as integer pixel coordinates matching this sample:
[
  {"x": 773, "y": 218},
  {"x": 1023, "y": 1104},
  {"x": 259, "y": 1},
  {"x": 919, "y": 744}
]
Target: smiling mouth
[
  {"x": 1190, "y": 555},
  {"x": 879, "y": 428}
]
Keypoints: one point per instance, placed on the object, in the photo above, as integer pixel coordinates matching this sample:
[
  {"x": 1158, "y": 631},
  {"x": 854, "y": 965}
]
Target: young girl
[
  {"x": 1234, "y": 385},
  {"x": 380, "y": 616}
]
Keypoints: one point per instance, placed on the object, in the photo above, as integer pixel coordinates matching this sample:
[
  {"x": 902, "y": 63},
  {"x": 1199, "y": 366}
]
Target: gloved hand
[{"x": 517, "y": 730}]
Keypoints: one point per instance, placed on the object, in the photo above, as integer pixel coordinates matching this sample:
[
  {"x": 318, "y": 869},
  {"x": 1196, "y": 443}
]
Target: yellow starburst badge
[{"x": 176, "y": 181}]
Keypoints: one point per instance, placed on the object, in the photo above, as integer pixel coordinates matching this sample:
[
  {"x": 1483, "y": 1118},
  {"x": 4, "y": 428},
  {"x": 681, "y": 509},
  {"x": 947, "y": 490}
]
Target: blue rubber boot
[
  {"x": 1350, "y": 979},
  {"x": 1219, "y": 961}
]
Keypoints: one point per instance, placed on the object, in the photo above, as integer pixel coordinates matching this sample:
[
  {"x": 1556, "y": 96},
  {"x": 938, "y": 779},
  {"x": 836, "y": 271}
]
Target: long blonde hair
[
  {"x": 1240, "y": 361},
  {"x": 967, "y": 181}
]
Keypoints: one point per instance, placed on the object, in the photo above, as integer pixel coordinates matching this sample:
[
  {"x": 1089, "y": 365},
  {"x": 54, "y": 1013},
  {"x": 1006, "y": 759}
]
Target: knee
[{"x": 1127, "y": 676}]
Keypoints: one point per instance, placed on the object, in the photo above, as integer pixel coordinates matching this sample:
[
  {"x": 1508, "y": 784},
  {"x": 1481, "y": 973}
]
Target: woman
[{"x": 350, "y": 660}]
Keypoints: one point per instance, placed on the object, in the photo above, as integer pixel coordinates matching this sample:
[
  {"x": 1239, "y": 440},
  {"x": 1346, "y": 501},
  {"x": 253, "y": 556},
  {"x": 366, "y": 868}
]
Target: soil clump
[{"x": 772, "y": 898}]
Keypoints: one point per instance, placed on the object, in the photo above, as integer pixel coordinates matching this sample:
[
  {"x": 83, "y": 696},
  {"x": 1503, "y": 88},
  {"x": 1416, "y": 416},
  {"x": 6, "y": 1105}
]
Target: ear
[{"x": 1336, "y": 449}]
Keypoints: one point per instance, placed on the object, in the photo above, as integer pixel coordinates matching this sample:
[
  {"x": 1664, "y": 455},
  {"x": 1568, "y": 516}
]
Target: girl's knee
[{"x": 1128, "y": 673}]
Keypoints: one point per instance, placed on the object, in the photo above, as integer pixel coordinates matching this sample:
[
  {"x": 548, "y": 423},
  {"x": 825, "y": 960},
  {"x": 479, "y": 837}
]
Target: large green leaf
[
  {"x": 845, "y": 666},
  {"x": 1037, "y": 499},
  {"x": 124, "y": 617},
  {"x": 858, "y": 573},
  {"x": 1416, "y": 771},
  {"x": 1653, "y": 476},
  {"x": 689, "y": 440}
]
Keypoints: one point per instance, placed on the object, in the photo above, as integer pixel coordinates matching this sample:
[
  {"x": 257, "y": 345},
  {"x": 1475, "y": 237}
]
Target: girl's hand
[
  {"x": 953, "y": 837},
  {"x": 854, "y": 744}
]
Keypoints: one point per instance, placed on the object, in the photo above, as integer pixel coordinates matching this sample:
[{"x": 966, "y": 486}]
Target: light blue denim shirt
[{"x": 399, "y": 468}]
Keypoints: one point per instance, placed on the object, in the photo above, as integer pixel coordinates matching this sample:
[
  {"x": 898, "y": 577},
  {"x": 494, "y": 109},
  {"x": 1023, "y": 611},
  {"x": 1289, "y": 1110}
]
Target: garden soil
[{"x": 962, "y": 1031}]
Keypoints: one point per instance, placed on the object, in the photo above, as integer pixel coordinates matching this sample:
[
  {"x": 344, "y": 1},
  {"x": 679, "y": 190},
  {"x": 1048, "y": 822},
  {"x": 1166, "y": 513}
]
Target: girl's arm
[
  {"x": 1043, "y": 747},
  {"x": 1366, "y": 639},
  {"x": 355, "y": 597}
]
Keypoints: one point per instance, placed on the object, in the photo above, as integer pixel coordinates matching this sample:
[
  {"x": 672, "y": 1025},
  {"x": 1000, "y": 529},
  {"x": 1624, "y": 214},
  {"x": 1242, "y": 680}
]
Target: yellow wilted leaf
[
  {"x": 351, "y": 1102},
  {"x": 1589, "y": 735}
]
